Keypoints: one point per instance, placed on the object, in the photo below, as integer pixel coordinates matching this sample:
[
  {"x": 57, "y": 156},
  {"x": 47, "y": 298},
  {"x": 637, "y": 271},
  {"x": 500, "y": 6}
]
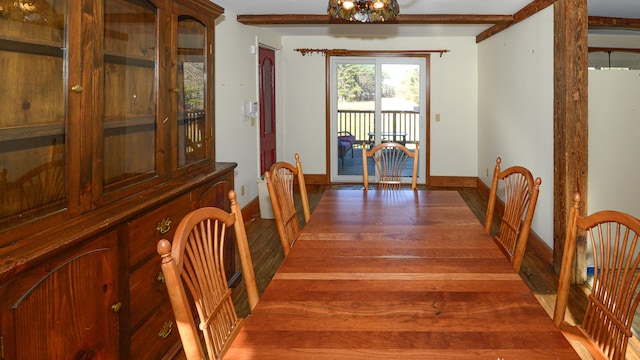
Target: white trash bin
[{"x": 266, "y": 210}]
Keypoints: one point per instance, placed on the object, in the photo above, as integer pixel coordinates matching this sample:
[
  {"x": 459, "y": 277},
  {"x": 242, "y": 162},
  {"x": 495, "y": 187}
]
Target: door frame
[
  {"x": 425, "y": 150},
  {"x": 262, "y": 105}
]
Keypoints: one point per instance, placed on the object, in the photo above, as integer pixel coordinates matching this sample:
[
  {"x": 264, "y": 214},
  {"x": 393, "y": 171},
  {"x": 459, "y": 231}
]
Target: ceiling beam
[
  {"x": 527, "y": 11},
  {"x": 601, "y": 22},
  {"x": 614, "y": 49},
  {"x": 408, "y": 19},
  {"x": 498, "y": 22}
]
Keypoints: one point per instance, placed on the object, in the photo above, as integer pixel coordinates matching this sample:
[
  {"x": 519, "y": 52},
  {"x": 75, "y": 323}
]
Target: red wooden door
[{"x": 267, "y": 109}]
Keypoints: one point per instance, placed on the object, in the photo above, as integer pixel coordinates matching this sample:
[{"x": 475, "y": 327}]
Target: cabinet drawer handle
[
  {"x": 160, "y": 278},
  {"x": 166, "y": 329},
  {"x": 77, "y": 88},
  {"x": 164, "y": 226},
  {"x": 116, "y": 307}
]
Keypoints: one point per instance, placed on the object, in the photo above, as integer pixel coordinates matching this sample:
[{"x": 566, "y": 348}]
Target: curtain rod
[{"x": 342, "y": 52}]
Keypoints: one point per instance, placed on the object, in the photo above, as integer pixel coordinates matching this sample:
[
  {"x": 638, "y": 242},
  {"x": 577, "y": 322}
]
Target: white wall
[
  {"x": 614, "y": 107},
  {"x": 515, "y": 108},
  {"x": 621, "y": 39},
  {"x": 453, "y": 95},
  {"x": 301, "y": 112},
  {"x": 495, "y": 99},
  {"x": 236, "y": 79},
  {"x": 615, "y": 39},
  {"x": 614, "y": 125}
]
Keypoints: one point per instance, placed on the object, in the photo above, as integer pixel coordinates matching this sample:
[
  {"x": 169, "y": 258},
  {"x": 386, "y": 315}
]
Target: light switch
[
  {"x": 249, "y": 110},
  {"x": 437, "y": 117}
]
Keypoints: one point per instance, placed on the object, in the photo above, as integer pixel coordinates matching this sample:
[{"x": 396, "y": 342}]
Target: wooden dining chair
[
  {"x": 606, "y": 325},
  {"x": 520, "y": 198},
  {"x": 390, "y": 159},
  {"x": 194, "y": 262},
  {"x": 280, "y": 183}
]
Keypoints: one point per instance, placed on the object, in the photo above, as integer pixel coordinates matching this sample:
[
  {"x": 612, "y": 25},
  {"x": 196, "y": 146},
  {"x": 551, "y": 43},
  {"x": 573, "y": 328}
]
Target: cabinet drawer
[
  {"x": 147, "y": 290},
  {"x": 156, "y": 336},
  {"x": 147, "y": 230}
]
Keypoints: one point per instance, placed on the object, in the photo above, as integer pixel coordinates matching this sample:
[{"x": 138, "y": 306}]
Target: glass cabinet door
[
  {"x": 32, "y": 106},
  {"x": 191, "y": 88},
  {"x": 130, "y": 93}
]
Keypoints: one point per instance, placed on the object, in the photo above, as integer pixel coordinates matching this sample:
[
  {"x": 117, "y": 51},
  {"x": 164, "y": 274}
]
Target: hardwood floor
[{"x": 267, "y": 256}]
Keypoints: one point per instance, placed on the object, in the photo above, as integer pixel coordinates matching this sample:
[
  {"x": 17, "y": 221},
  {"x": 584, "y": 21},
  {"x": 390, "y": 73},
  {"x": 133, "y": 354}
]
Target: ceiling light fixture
[{"x": 363, "y": 10}]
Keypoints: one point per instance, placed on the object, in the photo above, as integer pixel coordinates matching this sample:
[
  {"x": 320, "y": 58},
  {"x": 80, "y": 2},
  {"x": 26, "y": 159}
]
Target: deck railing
[{"x": 361, "y": 122}]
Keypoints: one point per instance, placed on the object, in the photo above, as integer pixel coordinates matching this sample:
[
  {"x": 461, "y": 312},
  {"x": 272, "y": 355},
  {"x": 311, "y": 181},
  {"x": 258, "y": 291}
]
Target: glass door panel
[
  {"x": 356, "y": 107},
  {"x": 32, "y": 130},
  {"x": 129, "y": 116},
  {"x": 191, "y": 79},
  {"x": 400, "y": 108}
]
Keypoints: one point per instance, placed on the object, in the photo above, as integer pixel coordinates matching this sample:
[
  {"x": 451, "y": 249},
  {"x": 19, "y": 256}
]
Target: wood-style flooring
[{"x": 267, "y": 256}]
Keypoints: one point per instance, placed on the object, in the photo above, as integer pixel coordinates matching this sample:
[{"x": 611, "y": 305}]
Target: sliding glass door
[{"x": 375, "y": 100}]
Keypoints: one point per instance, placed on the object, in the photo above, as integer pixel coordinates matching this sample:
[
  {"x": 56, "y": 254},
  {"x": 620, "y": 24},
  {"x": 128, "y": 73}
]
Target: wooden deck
[{"x": 352, "y": 164}]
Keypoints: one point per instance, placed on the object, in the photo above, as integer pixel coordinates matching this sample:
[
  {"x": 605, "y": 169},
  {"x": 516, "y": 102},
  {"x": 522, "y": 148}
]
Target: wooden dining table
[{"x": 397, "y": 275}]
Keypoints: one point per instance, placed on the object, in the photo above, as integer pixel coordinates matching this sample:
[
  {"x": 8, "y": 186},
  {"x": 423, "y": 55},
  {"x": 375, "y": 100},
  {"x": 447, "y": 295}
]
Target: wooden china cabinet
[{"x": 106, "y": 142}]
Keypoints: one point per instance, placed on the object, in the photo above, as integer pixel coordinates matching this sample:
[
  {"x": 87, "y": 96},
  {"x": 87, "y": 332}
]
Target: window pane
[
  {"x": 129, "y": 91},
  {"x": 400, "y": 106},
  {"x": 191, "y": 95},
  {"x": 267, "y": 86},
  {"x": 400, "y": 103},
  {"x": 32, "y": 110},
  {"x": 356, "y": 110}
]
